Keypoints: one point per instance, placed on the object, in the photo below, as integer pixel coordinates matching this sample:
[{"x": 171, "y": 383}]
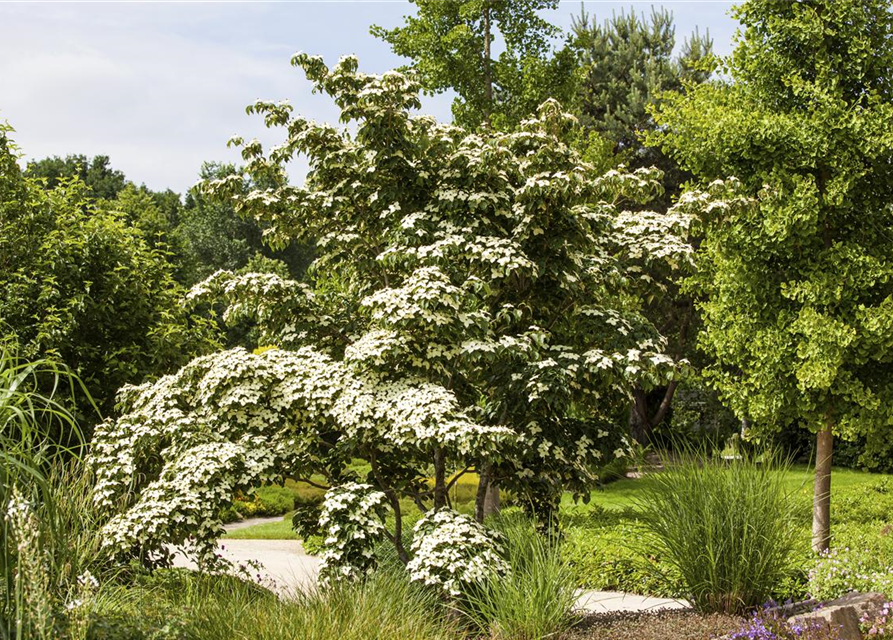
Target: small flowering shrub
[
  {"x": 840, "y": 571},
  {"x": 881, "y": 625},
  {"x": 768, "y": 625},
  {"x": 451, "y": 550},
  {"x": 353, "y": 520}
]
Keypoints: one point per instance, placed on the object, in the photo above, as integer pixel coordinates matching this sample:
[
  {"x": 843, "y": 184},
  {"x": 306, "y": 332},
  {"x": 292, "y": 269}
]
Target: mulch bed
[{"x": 659, "y": 625}]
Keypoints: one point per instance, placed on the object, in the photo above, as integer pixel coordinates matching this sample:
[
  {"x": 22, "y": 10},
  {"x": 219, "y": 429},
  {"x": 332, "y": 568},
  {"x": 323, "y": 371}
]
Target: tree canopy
[
  {"x": 452, "y": 45},
  {"x": 81, "y": 285},
  {"x": 794, "y": 272},
  {"x": 626, "y": 64},
  {"x": 473, "y": 304}
]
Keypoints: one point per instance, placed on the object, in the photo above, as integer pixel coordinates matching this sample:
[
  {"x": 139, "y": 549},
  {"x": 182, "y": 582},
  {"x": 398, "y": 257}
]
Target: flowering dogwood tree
[{"x": 473, "y": 305}]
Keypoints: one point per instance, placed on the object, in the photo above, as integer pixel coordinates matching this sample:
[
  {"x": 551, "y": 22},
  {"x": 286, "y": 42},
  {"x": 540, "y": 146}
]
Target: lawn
[
  {"x": 602, "y": 537},
  {"x": 617, "y": 496}
]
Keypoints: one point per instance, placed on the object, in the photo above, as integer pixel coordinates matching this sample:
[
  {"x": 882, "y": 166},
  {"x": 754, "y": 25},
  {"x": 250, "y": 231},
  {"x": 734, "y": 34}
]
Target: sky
[{"x": 161, "y": 86}]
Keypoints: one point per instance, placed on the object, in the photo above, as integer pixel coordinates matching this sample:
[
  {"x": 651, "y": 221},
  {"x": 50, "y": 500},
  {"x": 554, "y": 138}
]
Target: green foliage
[
  {"x": 794, "y": 267},
  {"x": 140, "y": 208},
  {"x": 101, "y": 180},
  {"x": 872, "y": 503},
  {"x": 726, "y": 527},
  {"x": 80, "y": 285},
  {"x": 601, "y": 550},
  {"x": 449, "y": 42},
  {"x": 863, "y": 565},
  {"x": 178, "y": 605},
  {"x": 537, "y": 596},
  {"x": 271, "y": 500},
  {"x": 627, "y": 63}
]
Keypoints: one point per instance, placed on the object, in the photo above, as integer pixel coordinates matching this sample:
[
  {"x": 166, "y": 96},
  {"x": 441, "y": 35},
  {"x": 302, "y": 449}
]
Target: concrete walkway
[
  {"x": 612, "y": 601},
  {"x": 284, "y": 565},
  {"x": 286, "y": 568}
]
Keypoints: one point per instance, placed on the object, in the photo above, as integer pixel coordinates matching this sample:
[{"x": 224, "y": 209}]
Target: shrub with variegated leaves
[
  {"x": 451, "y": 550},
  {"x": 353, "y": 521},
  {"x": 473, "y": 305}
]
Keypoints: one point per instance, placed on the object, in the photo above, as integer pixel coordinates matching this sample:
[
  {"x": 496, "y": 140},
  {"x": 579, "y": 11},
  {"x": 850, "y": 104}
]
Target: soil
[{"x": 660, "y": 625}]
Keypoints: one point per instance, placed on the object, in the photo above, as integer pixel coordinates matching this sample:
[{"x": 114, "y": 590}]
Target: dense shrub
[
  {"x": 601, "y": 551},
  {"x": 727, "y": 528},
  {"x": 270, "y": 500}
]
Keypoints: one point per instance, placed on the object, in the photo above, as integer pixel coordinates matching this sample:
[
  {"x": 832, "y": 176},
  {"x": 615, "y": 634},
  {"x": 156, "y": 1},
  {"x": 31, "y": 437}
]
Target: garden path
[{"x": 285, "y": 567}]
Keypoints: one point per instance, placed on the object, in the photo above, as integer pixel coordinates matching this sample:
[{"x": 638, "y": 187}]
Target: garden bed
[{"x": 659, "y": 625}]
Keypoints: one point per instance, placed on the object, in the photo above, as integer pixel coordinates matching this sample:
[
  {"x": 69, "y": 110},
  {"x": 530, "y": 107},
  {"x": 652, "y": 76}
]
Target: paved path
[
  {"x": 609, "y": 601},
  {"x": 286, "y": 568}
]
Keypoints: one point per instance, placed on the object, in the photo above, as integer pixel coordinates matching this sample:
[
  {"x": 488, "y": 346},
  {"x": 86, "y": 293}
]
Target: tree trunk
[
  {"x": 641, "y": 423},
  {"x": 440, "y": 490},
  {"x": 481, "y": 497},
  {"x": 488, "y": 79},
  {"x": 491, "y": 499},
  {"x": 821, "y": 500}
]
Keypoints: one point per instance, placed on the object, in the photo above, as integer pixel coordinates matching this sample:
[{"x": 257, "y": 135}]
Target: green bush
[
  {"x": 535, "y": 599},
  {"x": 599, "y": 549},
  {"x": 271, "y": 500},
  {"x": 727, "y": 527}
]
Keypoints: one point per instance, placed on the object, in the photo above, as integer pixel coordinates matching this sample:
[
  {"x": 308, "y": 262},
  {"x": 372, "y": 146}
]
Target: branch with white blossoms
[
  {"x": 352, "y": 519},
  {"x": 452, "y": 551},
  {"x": 231, "y": 421},
  {"x": 283, "y": 309}
]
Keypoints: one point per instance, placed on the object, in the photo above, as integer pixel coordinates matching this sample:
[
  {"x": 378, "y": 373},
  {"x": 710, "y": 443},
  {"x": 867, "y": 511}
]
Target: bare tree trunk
[
  {"x": 821, "y": 500},
  {"x": 491, "y": 499},
  {"x": 641, "y": 423},
  {"x": 481, "y": 497},
  {"x": 488, "y": 79},
  {"x": 440, "y": 490}
]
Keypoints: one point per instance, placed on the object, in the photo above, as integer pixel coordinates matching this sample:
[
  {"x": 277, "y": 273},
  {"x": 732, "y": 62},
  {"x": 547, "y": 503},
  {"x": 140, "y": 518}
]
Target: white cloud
[{"x": 161, "y": 87}]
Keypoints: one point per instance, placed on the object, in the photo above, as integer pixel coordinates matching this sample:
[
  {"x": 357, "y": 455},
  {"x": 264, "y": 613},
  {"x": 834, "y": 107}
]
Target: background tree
[
  {"x": 211, "y": 236},
  {"x": 81, "y": 285},
  {"x": 626, "y": 63},
  {"x": 96, "y": 173},
  {"x": 453, "y": 44},
  {"x": 795, "y": 279}
]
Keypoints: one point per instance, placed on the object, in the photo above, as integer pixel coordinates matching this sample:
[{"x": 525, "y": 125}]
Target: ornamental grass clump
[
  {"x": 535, "y": 599},
  {"x": 726, "y": 526},
  {"x": 179, "y": 604},
  {"x": 49, "y": 534}
]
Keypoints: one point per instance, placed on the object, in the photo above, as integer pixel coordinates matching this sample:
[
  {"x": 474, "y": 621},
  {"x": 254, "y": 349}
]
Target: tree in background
[
  {"x": 96, "y": 173},
  {"x": 795, "y": 268},
  {"x": 211, "y": 236},
  {"x": 452, "y": 45},
  {"x": 81, "y": 285},
  {"x": 626, "y": 64}
]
